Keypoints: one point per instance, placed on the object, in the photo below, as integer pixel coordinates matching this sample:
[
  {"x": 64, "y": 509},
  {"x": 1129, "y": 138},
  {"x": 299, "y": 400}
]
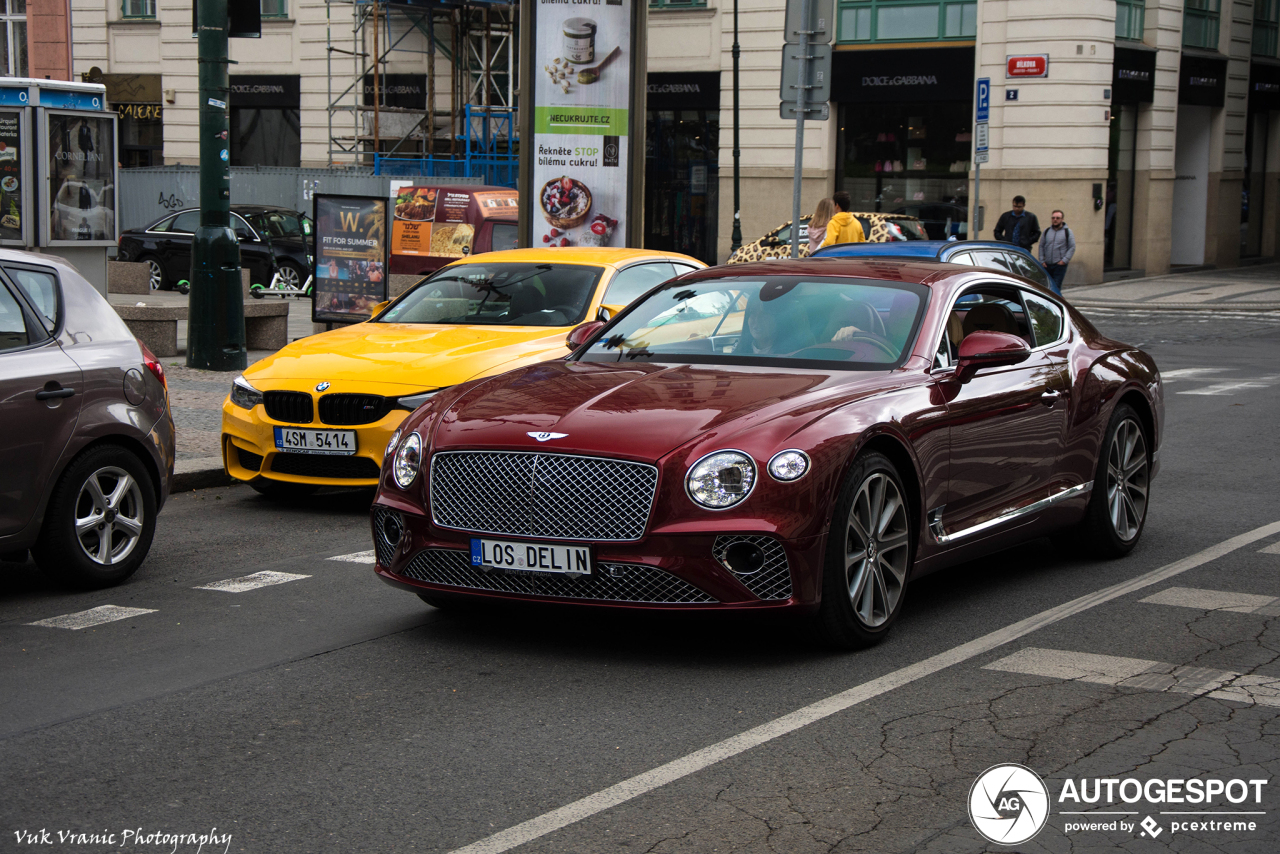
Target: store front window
[
  {"x": 266, "y": 126},
  {"x": 141, "y": 132},
  {"x": 905, "y": 133},
  {"x": 1118, "y": 224},
  {"x": 682, "y": 150},
  {"x": 909, "y": 159}
]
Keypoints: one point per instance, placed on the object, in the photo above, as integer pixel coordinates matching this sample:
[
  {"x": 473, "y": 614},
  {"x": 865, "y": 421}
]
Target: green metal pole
[{"x": 215, "y": 328}]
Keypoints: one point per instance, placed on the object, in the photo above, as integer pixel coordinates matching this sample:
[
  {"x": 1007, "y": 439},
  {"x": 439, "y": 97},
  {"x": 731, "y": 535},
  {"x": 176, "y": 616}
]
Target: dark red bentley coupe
[{"x": 804, "y": 435}]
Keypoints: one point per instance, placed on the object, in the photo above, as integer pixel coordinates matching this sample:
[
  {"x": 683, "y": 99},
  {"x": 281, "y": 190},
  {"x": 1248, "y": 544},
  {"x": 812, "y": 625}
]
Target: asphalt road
[{"x": 328, "y": 712}]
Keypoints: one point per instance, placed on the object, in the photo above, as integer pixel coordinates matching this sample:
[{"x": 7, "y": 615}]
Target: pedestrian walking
[
  {"x": 822, "y": 215},
  {"x": 1057, "y": 245},
  {"x": 1018, "y": 226},
  {"x": 844, "y": 226}
]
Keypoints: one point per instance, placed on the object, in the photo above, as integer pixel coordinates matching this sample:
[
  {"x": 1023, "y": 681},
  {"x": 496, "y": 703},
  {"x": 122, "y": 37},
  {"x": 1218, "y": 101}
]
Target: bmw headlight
[
  {"x": 789, "y": 465},
  {"x": 243, "y": 394},
  {"x": 408, "y": 460},
  {"x": 391, "y": 446},
  {"x": 721, "y": 480},
  {"x": 413, "y": 401}
]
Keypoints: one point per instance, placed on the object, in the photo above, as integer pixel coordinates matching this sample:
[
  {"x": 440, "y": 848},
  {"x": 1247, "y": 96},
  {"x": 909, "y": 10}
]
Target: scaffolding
[{"x": 467, "y": 47}]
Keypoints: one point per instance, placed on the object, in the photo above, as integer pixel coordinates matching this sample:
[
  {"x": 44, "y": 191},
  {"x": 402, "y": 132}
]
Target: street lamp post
[{"x": 736, "y": 239}]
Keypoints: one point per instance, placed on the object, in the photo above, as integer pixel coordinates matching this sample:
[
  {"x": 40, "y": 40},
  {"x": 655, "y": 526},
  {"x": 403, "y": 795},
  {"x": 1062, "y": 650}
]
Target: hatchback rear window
[{"x": 41, "y": 290}]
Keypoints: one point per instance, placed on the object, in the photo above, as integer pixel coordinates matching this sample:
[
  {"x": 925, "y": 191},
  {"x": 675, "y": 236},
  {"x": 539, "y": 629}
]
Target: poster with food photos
[
  {"x": 14, "y": 191},
  {"x": 582, "y": 93},
  {"x": 351, "y": 257}
]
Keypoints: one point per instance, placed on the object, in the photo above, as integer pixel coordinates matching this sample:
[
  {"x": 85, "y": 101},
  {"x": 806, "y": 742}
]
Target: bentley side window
[{"x": 1045, "y": 317}]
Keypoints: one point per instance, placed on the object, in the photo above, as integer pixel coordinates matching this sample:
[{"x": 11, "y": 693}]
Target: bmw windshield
[{"x": 512, "y": 294}]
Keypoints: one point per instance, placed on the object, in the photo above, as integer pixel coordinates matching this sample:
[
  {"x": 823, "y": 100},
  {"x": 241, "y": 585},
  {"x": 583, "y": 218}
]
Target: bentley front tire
[
  {"x": 1117, "y": 510},
  {"x": 869, "y": 556}
]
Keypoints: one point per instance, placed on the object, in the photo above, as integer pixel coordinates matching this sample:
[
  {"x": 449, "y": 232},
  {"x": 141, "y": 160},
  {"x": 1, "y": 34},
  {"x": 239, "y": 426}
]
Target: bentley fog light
[
  {"x": 788, "y": 465},
  {"x": 244, "y": 395},
  {"x": 721, "y": 479},
  {"x": 391, "y": 446},
  {"x": 408, "y": 460}
]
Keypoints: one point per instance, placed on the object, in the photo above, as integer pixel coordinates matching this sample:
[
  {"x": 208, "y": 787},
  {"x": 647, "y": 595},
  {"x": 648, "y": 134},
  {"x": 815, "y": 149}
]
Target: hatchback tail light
[{"x": 153, "y": 364}]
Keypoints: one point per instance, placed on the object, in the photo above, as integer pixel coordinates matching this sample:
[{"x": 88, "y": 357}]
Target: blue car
[{"x": 991, "y": 254}]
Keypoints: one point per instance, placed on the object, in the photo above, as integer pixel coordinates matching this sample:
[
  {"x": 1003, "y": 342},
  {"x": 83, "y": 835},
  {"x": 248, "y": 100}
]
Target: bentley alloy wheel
[
  {"x": 877, "y": 545},
  {"x": 869, "y": 556},
  {"x": 1127, "y": 480}
]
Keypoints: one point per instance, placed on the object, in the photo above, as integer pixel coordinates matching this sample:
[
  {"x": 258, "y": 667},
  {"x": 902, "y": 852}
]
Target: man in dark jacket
[{"x": 1018, "y": 226}]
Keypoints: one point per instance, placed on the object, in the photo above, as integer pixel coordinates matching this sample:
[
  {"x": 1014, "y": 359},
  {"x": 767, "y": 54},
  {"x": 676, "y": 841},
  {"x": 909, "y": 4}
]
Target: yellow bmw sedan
[{"x": 321, "y": 411}]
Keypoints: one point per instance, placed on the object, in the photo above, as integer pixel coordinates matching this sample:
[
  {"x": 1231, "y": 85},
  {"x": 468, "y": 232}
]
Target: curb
[
  {"x": 1175, "y": 306},
  {"x": 198, "y": 473}
]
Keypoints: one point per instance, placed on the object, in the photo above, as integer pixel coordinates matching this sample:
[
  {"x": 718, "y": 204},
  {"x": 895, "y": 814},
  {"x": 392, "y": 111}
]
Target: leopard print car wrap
[{"x": 758, "y": 250}]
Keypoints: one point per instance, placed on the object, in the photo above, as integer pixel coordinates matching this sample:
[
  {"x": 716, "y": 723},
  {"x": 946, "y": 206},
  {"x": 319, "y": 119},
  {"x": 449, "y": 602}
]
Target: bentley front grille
[
  {"x": 768, "y": 576},
  {"x": 611, "y": 582},
  {"x": 552, "y": 496},
  {"x": 291, "y": 407}
]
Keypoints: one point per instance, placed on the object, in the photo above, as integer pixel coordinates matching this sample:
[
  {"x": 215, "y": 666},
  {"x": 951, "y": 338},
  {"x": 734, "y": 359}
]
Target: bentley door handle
[
  {"x": 1050, "y": 397},
  {"x": 51, "y": 393}
]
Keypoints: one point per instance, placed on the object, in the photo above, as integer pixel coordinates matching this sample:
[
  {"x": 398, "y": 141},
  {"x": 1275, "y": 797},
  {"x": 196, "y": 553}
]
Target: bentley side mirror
[
  {"x": 582, "y": 334},
  {"x": 989, "y": 350}
]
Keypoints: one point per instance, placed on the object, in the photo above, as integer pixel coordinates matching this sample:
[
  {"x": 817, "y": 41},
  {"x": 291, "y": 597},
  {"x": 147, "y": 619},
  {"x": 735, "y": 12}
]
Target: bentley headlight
[
  {"x": 413, "y": 401},
  {"x": 391, "y": 446},
  {"x": 721, "y": 479},
  {"x": 243, "y": 394},
  {"x": 408, "y": 460},
  {"x": 789, "y": 465}
]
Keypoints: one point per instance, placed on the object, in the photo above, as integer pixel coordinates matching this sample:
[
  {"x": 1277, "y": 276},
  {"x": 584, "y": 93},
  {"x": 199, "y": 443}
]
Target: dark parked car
[
  {"x": 803, "y": 436},
  {"x": 271, "y": 239},
  {"x": 991, "y": 254},
  {"x": 86, "y": 436}
]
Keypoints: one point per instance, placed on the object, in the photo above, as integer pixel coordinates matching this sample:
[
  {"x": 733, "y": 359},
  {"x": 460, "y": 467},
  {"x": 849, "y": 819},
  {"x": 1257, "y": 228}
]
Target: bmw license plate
[
  {"x": 548, "y": 558},
  {"x": 333, "y": 442}
]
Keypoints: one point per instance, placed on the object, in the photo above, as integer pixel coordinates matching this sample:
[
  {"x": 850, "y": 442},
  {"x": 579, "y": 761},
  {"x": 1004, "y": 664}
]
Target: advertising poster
[
  {"x": 415, "y": 210},
  {"x": 453, "y": 232},
  {"x": 351, "y": 258},
  {"x": 12, "y": 181},
  {"x": 582, "y": 86},
  {"x": 81, "y": 174}
]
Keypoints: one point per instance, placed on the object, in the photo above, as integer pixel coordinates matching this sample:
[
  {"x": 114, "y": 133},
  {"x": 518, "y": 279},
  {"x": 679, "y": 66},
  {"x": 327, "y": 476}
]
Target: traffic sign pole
[
  {"x": 980, "y": 142},
  {"x": 802, "y": 81}
]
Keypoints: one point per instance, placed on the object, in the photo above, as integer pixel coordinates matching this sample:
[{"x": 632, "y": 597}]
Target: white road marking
[
  {"x": 356, "y": 557},
  {"x": 1231, "y": 387},
  {"x": 1273, "y": 549},
  {"x": 1212, "y": 600},
  {"x": 252, "y": 582},
  {"x": 634, "y": 787},
  {"x": 1188, "y": 373},
  {"x": 1142, "y": 674},
  {"x": 93, "y": 617}
]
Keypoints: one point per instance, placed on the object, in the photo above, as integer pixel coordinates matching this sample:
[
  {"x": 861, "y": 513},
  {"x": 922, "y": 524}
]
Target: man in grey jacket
[{"x": 1057, "y": 245}]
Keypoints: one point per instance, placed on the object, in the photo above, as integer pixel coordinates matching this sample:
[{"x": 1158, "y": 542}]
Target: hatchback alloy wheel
[
  {"x": 1127, "y": 476},
  {"x": 109, "y": 515},
  {"x": 877, "y": 548}
]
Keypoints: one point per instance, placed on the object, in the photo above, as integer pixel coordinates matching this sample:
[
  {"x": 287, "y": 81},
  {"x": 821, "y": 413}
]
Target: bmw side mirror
[
  {"x": 989, "y": 350},
  {"x": 582, "y": 334}
]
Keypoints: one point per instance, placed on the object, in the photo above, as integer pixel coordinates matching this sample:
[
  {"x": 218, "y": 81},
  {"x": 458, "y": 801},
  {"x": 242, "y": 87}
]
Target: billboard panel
[{"x": 351, "y": 257}]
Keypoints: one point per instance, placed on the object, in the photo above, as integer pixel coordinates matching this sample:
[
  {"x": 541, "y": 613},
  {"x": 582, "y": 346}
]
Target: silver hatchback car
[{"x": 86, "y": 436}]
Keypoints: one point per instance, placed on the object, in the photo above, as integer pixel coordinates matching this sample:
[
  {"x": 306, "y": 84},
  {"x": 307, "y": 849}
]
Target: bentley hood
[{"x": 640, "y": 412}]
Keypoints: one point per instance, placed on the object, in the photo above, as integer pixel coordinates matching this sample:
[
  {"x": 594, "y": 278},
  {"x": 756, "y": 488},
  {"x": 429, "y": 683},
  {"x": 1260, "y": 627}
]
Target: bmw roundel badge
[{"x": 323, "y": 386}]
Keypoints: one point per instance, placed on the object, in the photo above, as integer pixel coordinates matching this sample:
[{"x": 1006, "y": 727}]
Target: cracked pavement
[{"x": 336, "y": 714}]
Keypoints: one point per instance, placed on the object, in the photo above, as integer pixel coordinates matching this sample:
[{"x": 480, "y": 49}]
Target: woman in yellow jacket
[{"x": 844, "y": 226}]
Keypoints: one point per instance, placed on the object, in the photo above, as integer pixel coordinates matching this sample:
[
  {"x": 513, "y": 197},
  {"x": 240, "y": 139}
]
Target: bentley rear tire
[
  {"x": 1117, "y": 510},
  {"x": 870, "y": 551}
]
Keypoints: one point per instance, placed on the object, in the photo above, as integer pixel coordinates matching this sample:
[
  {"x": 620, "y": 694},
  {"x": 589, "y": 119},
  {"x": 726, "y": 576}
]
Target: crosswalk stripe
[
  {"x": 356, "y": 557},
  {"x": 1215, "y": 600},
  {"x": 1273, "y": 549},
  {"x": 1142, "y": 674},
  {"x": 92, "y": 617},
  {"x": 1188, "y": 373},
  {"x": 252, "y": 582}
]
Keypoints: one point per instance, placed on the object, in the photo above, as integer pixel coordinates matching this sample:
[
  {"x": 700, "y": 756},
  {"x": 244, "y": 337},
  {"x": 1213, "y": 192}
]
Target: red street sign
[{"x": 1035, "y": 65}]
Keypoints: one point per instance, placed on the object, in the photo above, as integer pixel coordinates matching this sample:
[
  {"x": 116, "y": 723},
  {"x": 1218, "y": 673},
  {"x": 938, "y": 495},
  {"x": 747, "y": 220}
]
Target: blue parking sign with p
[{"x": 984, "y": 100}]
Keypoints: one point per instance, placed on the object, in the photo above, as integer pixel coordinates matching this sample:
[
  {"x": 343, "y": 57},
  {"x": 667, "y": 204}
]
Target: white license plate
[
  {"x": 337, "y": 442},
  {"x": 531, "y": 557}
]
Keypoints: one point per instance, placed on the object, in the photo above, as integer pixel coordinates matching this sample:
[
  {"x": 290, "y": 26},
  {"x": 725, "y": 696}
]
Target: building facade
[{"x": 1151, "y": 123}]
